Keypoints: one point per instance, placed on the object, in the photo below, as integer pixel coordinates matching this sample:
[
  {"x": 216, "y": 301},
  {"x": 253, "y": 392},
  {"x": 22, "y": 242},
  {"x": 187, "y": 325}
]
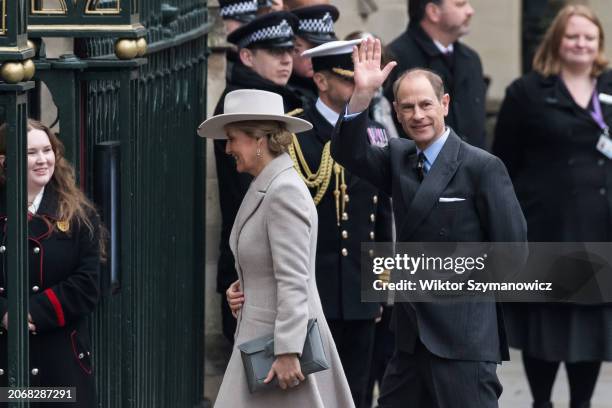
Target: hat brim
[{"x": 213, "y": 128}]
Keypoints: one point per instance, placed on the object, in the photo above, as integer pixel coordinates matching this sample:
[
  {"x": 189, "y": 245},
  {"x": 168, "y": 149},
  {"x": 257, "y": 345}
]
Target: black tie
[{"x": 420, "y": 167}]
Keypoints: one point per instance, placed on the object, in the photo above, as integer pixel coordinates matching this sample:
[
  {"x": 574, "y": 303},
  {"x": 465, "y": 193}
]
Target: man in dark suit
[
  {"x": 446, "y": 354},
  {"x": 432, "y": 41}
]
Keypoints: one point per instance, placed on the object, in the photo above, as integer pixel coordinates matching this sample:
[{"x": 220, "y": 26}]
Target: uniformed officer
[
  {"x": 351, "y": 211},
  {"x": 265, "y": 47},
  {"x": 315, "y": 27}
]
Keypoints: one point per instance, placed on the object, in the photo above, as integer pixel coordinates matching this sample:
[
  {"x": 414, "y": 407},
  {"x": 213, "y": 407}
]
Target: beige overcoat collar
[{"x": 255, "y": 195}]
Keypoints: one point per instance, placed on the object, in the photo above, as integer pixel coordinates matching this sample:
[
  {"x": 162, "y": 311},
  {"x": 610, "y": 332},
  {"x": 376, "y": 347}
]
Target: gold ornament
[
  {"x": 32, "y": 45},
  {"x": 28, "y": 69},
  {"x": 126, "y": 49},
  {"x": 63, "y": 226},
  {"x": 12, "y": 72},
  {"x": 141, "y": 45}
]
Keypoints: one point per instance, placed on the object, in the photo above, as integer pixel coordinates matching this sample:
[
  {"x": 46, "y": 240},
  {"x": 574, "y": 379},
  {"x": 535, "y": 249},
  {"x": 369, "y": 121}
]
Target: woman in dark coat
[
  {"x": 64, "y": 258},
  {"x": 548, "y": 128}
]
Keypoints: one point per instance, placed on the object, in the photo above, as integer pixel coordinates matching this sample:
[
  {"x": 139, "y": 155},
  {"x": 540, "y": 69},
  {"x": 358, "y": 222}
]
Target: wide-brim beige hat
[{"x": 250, "y": 104}]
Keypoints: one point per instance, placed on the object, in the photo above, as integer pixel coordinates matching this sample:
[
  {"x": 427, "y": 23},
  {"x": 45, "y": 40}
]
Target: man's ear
[
  {"x": 246, "y": 57},
  {"x": 445, "y": 103},
  {"x": 432, "y": 12},
  {"x": 320, "y": 81}
]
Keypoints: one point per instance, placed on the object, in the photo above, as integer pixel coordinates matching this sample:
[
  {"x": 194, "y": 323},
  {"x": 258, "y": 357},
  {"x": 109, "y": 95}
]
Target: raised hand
[{"x": 369, "y": 76}]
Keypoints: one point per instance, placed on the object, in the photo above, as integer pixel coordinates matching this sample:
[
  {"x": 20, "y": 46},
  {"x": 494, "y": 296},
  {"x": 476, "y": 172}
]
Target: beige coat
[{"x": 274, "y": 241}]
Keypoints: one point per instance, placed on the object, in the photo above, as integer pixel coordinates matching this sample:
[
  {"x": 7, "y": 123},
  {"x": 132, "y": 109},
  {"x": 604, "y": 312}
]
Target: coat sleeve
[
  {"x": 350, "y": 147},
  {"x": 508, "y": 133},
  {"x": 384, "y": 219},
  {"x": 289, "y": 225},
  {"x": 78, "y": 294}
]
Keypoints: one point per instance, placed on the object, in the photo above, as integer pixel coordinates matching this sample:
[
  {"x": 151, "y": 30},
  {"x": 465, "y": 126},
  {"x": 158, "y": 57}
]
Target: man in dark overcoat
[
  {"x": 432, "y": 41},
  {"x": 351, "y": 212},
  {"x": 443, "y": 190}
]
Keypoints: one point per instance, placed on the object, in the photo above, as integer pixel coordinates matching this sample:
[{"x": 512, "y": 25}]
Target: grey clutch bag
[{"x": 258, "y": 356}]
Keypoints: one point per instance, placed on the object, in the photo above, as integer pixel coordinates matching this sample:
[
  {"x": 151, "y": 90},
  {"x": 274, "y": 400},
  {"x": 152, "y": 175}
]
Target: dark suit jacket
[
  {"x": 547, "y": 141},
  {"x": 368, "y": 220},
  {"x": 464, "y": 82},
  {"x": 490, "y": 212}
]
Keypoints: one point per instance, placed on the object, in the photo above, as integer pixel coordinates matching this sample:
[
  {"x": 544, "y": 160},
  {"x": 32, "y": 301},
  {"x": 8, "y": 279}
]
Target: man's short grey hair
[{"x": 434, "y": 79}]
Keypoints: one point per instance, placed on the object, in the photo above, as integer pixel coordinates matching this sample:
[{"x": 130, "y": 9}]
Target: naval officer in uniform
[{"x": 351, "y": 211}]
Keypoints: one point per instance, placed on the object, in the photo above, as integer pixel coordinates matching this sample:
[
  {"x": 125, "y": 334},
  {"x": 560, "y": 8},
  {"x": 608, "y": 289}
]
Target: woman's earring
[{"x": 258, "y": 152}]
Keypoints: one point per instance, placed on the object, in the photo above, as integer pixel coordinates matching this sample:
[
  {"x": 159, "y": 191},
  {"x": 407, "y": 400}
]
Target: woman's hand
[
  {"x": 5, "y": 321},
  {"x": 287, "y": 369},
  {"x": 235, "y": 298}
]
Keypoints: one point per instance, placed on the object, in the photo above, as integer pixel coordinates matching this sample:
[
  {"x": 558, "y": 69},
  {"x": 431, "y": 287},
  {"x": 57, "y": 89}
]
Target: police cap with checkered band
[
  {"x": 272, "y": 30},
  {"x": 240, "y": 10},
  {"x": 316, "y": 23}
]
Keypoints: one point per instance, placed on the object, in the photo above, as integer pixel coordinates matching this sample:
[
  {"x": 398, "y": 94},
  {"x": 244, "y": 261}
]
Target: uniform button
[
  {"x": 602, "y": 191},
  {"x": 375, "y": 199},
  {"x": 344, "y": 234},
  {"x": 2, "y": 249},
  {"x": 1, "y": 290},
  {"x": 36, "y": 250},
  {"x": 601, "y": 162},
  {"x": 372, "y": 217},
  {"x": 371, "y": 253},
  {"x": 344, "y": 216},
  {"x": 81, "y": 355},
  {"x": 371, "y": 234},
  {"x": 344, "y": 252},
  {"x": 35, "y": 371},
  {"x": 34, "y": 333},
  {"x": 35, "y": 288},
  {"x": 1, "y": 371},
  {"x": 442, "y": 232},
  {"x": 346, "y": 198},
  {"x": 1, "y": 332}
]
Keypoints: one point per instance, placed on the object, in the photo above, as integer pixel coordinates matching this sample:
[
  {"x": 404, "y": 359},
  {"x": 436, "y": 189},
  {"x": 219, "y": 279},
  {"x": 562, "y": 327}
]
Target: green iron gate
[{"x": 129, "y": 125}]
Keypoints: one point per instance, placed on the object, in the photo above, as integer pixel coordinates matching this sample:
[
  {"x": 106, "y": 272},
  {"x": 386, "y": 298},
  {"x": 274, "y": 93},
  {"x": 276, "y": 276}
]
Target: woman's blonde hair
[
  {"x": 547, "y": 61},
  {"x": 279, "y": 138},
  {"x": 73, "y": 205}
]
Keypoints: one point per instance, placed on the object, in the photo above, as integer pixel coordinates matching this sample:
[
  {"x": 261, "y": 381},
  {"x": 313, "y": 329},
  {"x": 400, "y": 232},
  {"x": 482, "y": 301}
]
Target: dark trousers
[
  {"x": 423, "y": 380},
  {"x": 384, "y": 342},
  {"x": 354, "y": 340},
  {"x": 582, "y": 377}
]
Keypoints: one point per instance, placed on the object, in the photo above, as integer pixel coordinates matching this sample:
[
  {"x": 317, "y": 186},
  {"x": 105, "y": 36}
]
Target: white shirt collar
[
  {"x": 327, "y": 112},
  {"x": 443, "y": 49},
  {"x": 34, "y": 207}
]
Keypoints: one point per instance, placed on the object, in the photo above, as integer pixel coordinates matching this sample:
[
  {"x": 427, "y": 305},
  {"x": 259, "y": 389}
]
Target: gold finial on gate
[
  {"x": 12, "y": 72},
  {"x": 141, "y": 45},
  {"x": 126, "y": 49},
  {"x": 28, "y": 69}
]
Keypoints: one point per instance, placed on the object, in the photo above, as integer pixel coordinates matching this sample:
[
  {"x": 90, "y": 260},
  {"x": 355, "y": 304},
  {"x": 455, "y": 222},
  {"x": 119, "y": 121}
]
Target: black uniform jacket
[
  {"x": 368, "y": 219},
  {"x": 233, "y": 185},
  {"x": 303, "y": 88},
  {"x": 64, "y": 290},
  {"x": 489, "y": 212},
  {"x": 548, "y": 143},
  {"x": 463, "y": 80}
]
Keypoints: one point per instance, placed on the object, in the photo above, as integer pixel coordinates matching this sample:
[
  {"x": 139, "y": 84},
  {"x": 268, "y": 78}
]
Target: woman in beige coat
[{"x": 274, "y": 241}]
